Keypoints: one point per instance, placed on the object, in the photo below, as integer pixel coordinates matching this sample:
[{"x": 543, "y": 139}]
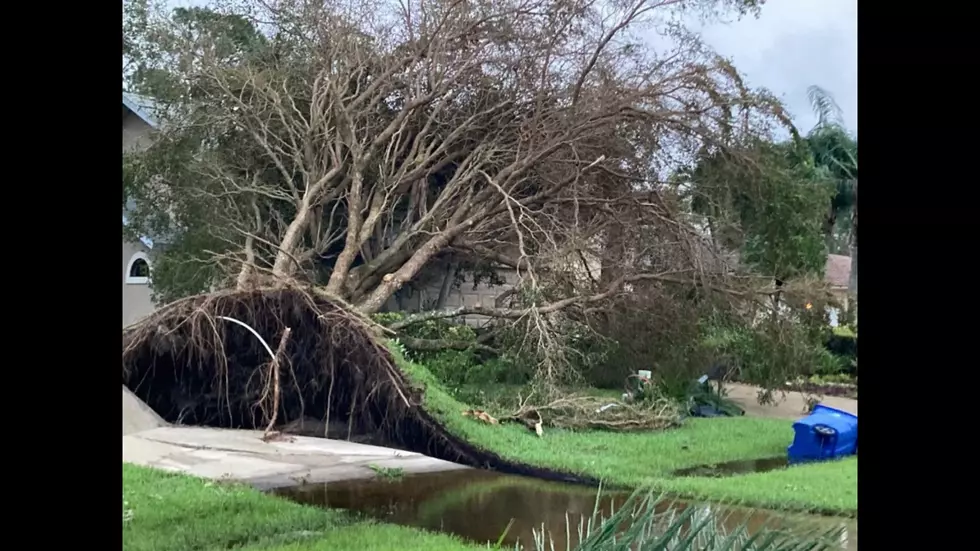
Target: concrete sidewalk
[
  {"x": 286, "y": 461},
  {"x": 244, "y": 456}
]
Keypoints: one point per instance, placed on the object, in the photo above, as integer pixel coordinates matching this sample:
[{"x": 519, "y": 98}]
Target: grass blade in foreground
[{"x": 637, "y": 526}]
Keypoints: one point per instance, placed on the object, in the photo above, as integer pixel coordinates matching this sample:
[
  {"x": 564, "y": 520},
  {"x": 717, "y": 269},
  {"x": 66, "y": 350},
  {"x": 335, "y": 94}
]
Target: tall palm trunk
[{"x": 852, "y": 283}]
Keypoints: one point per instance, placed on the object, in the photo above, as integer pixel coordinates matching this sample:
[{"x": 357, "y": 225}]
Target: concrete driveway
[{"x": 791, "y": 405}]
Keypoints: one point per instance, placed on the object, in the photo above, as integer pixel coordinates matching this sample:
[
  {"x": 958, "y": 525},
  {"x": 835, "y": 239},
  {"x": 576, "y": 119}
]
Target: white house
[{"x": 138, "y": 126}]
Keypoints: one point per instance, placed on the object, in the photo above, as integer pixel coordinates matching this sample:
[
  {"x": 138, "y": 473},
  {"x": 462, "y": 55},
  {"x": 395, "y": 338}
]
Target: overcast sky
[{"x": 792, "y": 45}]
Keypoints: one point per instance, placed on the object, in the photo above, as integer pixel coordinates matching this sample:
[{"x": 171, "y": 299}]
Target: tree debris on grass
[
  {"x": 480, "y": 415},
  {"x": 596, "y": 413}
]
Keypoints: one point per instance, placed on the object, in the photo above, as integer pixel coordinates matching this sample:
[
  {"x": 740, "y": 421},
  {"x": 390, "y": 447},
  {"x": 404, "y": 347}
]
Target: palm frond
[
  {"x": 638, "y": 525},
  {"x": 829, "y": 114}
]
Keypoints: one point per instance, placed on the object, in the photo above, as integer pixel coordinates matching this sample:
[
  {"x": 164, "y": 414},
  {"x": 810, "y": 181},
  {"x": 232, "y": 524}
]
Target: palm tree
[{"x": 835, "y": 149}]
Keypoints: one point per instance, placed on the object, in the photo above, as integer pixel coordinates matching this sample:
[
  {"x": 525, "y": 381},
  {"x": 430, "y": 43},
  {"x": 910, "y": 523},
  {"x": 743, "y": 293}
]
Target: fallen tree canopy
[{"x": 194, "y": 362}]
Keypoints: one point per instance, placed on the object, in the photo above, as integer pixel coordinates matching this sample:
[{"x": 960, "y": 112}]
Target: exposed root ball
[{"x": 192, "y": 365}]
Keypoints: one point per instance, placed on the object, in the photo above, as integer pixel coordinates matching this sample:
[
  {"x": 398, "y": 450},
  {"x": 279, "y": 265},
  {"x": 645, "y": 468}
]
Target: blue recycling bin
[{"x": 827, "y": 433}]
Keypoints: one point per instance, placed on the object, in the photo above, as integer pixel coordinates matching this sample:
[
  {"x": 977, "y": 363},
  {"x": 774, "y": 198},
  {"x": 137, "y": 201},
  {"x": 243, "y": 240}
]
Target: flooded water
[
  {"x": 736, "y": 467},
  {"x": 479, "y": 505}
]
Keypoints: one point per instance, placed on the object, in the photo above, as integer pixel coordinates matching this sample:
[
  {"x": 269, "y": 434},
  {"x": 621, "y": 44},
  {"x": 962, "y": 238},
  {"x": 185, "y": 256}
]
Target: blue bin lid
[
  {"x": 820, "y": 408},
  {"x": 841, "y": 421}
]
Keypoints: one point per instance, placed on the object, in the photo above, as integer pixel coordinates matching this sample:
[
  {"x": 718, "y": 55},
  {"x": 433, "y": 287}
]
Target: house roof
[
  {"x": 142, "y": 106},
  {"x": 838, "y": 270}
]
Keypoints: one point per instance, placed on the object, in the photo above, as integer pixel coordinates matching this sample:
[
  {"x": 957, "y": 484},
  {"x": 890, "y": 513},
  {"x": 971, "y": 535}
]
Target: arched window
[{"x": 138, "y": 271}]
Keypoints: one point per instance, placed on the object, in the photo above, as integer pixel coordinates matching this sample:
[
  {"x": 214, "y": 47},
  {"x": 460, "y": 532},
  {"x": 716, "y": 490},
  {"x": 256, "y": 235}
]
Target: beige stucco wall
[
  {"x": 136, "y": 301},
  {"x": 136, "y": 133},
  {"x": 465, "y": 295}
]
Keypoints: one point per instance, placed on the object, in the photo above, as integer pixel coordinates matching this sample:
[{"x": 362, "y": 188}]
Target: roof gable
[{"x": 142, "y": 107}]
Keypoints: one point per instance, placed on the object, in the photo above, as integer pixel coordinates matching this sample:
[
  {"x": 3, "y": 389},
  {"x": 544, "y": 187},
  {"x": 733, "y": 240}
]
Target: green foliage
[
  {"x": 666, "y": 343},
  {"x": 182, "y": 272},
  {"x": 776, "y": 351},
  {"x": 179, "y": 182},
  {"x": 843, "y": 345},
  {"x": 185, "y": 263},
  {"x": 162, "y": 47},
  {"x": 387, "y": 473},
  {"x": 463, "y": 370},
  {"x": 442, "y": 330},
  {"x": 388, "y": 318},
  {"x": 773, "y": 206},
  {"x": 430, "y": 330},
  {"x": 703, "y": 394},
  {"x": 451, "y": 367},
  {"x": 210, "y": 515},
  {"x": 835, "y": 378},
  {"x": 836, "y": 150},
  {"x": 172, "y": 512},
  {"x": 454, "y": 368},
  {"x": 783, "y": 223},
  {"x": 642, "y": 389},
  {"x": 643, "y": 459}
]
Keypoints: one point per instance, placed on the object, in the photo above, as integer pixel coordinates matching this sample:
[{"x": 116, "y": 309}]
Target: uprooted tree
[{"x": 346, "y": 146}]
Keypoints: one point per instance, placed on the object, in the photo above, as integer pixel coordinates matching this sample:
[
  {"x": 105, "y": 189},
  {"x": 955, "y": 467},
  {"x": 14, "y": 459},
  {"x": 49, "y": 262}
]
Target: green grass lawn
[
  {"x": 172, "y": 512},
  {"x": 648, "y": 459}
]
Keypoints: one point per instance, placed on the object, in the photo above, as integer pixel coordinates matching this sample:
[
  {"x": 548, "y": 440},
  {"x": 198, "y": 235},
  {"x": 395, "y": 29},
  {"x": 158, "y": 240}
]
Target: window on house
[{"x": 138, "y": 271}]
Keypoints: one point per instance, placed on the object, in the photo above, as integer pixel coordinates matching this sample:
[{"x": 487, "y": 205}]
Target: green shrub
[
  {"x": 656, "y": 333},
  {"x": 451, "y": 367},
  {"x": 772, "y": 353},
  {"x": 455, "y": 368},
  {"x": 843, "y": 344},
  {"x": 828, "y": 363},
  {"x": 436, "y": 329}
]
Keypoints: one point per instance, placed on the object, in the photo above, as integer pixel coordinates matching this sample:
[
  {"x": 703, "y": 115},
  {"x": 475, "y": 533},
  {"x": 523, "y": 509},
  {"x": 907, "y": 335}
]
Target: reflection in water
[
  {"x": 479, "y": 505},
  {"x": 730, "y": 468}
]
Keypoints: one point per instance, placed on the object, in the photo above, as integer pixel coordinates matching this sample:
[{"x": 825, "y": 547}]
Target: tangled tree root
[
  {"x": 189, "y": 363},
  {"x": 594, "y": 413}
]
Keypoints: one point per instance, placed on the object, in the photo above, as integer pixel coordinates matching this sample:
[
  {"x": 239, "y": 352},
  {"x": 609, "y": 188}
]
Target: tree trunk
[
  {"x": 247, "y": 273},
  {"x": 244, "y": 280},
  {"x": 285, "y": 264},
  {"x": 852, "y": 283},
  {"x": 391, "y": 282},
  {"x": 341, "y": 268}
]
